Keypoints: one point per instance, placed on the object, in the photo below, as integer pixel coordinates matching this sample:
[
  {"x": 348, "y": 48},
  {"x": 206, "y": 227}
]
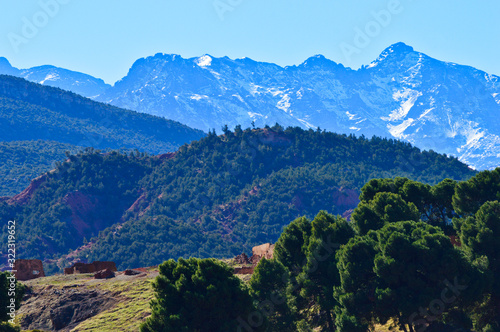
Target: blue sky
[{"x": 104, "y": 38}]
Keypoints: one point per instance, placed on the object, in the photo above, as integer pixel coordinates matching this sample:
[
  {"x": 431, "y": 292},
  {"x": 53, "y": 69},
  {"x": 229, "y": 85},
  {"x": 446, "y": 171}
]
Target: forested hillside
[
  {"x": 392, "y": 268},
  {"x": 212, "y": 198},
  {"x": 23, "y": 161},
  {"x": 395, "y": 264},
  {"x": 53, "y": 117}
]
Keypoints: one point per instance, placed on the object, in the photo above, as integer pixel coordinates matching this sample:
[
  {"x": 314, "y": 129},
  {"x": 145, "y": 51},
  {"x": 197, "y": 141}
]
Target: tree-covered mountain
[
  {"x": 212, "y": 198},
  {"x": 31, "y": 111},
  {"x": 49, "y": 120},
  {"x": 23, "y": 161}
]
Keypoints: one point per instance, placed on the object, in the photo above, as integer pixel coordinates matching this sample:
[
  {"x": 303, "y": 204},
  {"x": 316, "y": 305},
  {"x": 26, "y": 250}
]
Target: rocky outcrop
[
  {"x": 82, "y": 211},
  {"x": 166, "y": 156},
  {"x": 27, "y": 269},
  {"x": 53, "y": 309},
  {"x": 265, "y": 250},
  {"x": 25, "y": 196},
  {"x": 90, "y": 268},
  {"x": 130, "y": 272},
  {"x": 136, "y": 206},
  {"x": 455, "y": 240},
  {"x": 272, "y": 138},
  {"x": 347, "y": 214}
]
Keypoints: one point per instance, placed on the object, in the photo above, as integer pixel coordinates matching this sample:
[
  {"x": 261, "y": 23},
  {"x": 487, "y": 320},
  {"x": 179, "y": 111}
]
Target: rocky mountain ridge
[
  {"x": 82, "y": 84},
  {"x": 403, "y": 94}
]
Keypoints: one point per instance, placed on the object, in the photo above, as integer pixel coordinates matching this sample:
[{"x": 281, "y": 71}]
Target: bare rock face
[
  {"x": 25, "y": 196},
  {"x": 52, "y": 309},
  {"x": 27, "y": 269},
  {"x": 347, "y": 214},
  {"x": 265, "y": 250},
  {"x": 345, "y": 198},
  {"x": 82, "y": 207}
]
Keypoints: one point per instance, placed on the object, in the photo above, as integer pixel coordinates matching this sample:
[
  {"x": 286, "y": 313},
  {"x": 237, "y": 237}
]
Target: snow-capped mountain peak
[
  {"x": 403, "y": 94},
  {"x": 204, "y": 61},
  {"x": 80, "y": 83}
]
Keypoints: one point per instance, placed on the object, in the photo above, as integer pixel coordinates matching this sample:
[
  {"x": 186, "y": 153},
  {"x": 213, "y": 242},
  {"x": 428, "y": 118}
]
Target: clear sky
[{"x": 104, "y": 38}]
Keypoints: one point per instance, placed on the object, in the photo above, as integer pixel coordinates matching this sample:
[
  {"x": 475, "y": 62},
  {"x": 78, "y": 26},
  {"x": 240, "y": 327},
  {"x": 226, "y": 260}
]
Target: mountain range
[
  {"x": 38, "y": 124},
  {"x": 403, "y": 94},
  {"x": 76, "y": 82}
]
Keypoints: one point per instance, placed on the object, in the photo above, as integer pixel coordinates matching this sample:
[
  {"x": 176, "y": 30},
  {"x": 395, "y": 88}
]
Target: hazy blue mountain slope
[
  {"x": 39, "y": 123},
  {"x": 65, "y": 79}
]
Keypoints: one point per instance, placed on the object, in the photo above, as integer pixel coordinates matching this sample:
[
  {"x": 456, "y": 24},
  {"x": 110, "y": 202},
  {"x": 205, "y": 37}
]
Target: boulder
[{"x": 129, "y": 272}]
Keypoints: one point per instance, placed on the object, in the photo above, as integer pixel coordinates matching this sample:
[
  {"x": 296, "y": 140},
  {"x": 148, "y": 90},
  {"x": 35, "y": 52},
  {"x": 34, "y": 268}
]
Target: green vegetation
[
  {"x": 32, "y": 111},
  {"x": 234, "y": 191},
  {"x": 131, "y": 295},
  {"x": 68, "y": 208},
  {"x": 10, "y": 300},
  {"x": 328, "y": 274},
  {"x": 381, "y": 269},
  {"x": 197, "y": 295},
  {"x": 128, "y": 314},
  {"x": 22, "y": 161},
  {"x": 212, "y": 198},
  {"x": 388, "y": 200},
  {"x": 480, "y": 238},
  {"x": 38, "y": 123},
  {"x": 408, "y": 266}
]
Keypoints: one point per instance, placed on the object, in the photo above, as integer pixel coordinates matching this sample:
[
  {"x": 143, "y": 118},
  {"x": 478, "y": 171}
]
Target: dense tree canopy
[
  {"x": 240, "y": 189},
  {"x": 197, "y": 295},
  {"x": 405, "y": 273},
  {"x": 480, "y": 237},
  {"x": 213, "y": 198},
  {"x": 473, "y": 193},
  {"x": 269, "y": 291}
]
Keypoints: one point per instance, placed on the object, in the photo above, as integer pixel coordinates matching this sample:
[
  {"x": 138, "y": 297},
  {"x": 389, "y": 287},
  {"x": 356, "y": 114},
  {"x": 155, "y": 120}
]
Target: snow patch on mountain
[
  {"x": 76, "y": 82},
  {"x": 204, "y": 61},
  {"x": 407, "y": 99},
  {"x": 403, "y": 94},
  {"x": 51, "y": 77}
]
